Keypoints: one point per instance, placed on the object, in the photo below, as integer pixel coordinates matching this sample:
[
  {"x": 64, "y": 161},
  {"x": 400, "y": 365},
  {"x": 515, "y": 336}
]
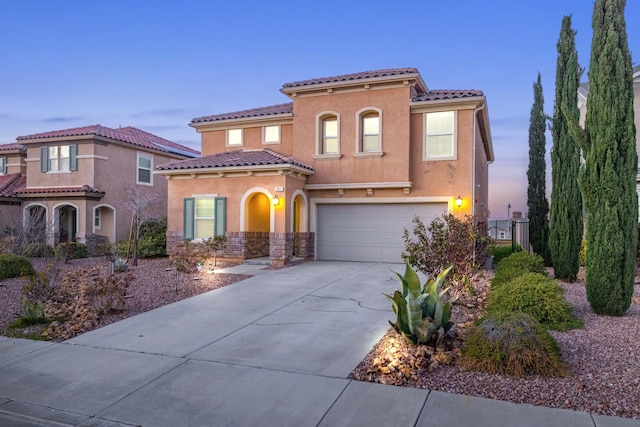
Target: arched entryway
[
  {"x": 299, "y": 224},
  {"x": 104, "y": 222},
  {"x": 35, "y": 223},
  {"x": 258, "y": 213},
  {"x": 65, "y": 225}
]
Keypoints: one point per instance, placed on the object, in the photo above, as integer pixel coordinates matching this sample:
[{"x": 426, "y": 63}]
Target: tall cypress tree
[
  {"x": 566, "y": 201},
  {"x": 608, "y": 179},
  {"x": 536, "y": 175}
]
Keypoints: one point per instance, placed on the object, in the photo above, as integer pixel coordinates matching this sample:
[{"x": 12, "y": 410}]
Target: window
[
  {"x": 330, "y": 135},
  {"x": 440, "y": 141},
  {"x": 234, "y": 137},
  {"x": 145, "y": 165},
  {"x": 58, "y": 158},
  {"x": 271, "y": 135},
  {"x": 503, "y": 235},
  {"x": 97, "y": 218},
  {"x": 3, "y": 165},
  {"x": 204, "y": 217}
]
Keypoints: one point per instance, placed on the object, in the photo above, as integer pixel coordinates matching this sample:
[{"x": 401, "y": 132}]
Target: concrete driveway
[{"x": 272, "y": 350}]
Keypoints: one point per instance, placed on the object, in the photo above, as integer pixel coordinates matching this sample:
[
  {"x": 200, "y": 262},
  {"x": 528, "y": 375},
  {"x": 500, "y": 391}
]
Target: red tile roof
[
  {"x": 271, "y": 110},
  {"x": 11, "y": 183},
  {"x": 437, "y": 95},
  {"x": 13, "y": 146},
  {"x": 128, "y": 134},
  {"x": 83, "y": 189},
  {"x": 238, "y": 158},
  {"x": 355, "y": 76}
]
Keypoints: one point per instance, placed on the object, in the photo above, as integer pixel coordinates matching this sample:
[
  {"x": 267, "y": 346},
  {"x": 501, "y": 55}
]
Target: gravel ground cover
[
  {"x": 152, "y": 286},
  {"x": 604, "y": 359}
]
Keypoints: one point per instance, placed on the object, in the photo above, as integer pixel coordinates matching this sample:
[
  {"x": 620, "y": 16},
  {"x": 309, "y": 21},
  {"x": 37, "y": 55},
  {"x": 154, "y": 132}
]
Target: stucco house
[
  {"x": 583, "y": 93},
  {"x": 71, "y": 184},
  {"x": 337, "y": 172}
]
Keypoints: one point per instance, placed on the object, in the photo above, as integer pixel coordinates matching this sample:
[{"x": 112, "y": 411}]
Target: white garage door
[{"x": 368, "y": 232}]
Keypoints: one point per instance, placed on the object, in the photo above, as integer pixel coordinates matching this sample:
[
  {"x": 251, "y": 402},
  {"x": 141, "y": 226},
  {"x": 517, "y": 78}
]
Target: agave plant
[{"x": 423, "y": 312}]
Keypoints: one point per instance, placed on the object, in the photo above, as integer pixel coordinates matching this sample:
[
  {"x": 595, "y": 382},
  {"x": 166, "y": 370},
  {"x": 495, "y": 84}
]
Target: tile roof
[
  {"x": 354, "y": 76},
  {"x": 437, "y": 95},
  {"x": 11, "y": 183},
  {"x": 271, "y": 110},
  {"x": 13, "y": 146},
  {"x": 52, "y": 190},
  {"x": 239, "y": 158},
  {"x": 128, "y": 134}
]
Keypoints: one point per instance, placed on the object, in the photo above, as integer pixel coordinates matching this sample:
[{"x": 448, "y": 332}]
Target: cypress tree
[
  {"x": 536, "y": 175},
  {"x": 566, "y": 201},
  {"x": 608, "y": 178}
]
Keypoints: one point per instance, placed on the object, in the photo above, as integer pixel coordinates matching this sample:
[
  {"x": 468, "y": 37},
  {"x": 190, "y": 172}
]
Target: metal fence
[{"x": 520, "y": 235}]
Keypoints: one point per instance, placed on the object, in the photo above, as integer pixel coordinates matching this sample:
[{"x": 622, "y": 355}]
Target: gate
[{"x": 520, "y": 235}]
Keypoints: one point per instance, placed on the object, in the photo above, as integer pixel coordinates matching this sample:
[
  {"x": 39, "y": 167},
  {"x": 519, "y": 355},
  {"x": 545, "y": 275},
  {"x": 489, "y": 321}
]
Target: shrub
[
  {"x": 107, "y": 294},
  {"x": 512, "y": 344},
  {"x": 36, "y": 250},
  {"x": 14, "y": 266},
  {"x": 119, "y": 265},
  {"x": 70, "y": 250},
  {"x": 536, "y": 295},
  {"x": 524, "y": 261},
  {"x": 504, "y": 251},
  {"x": 153, "y": 238},
  {"x": 33, "y": 313},
  {"x": 506, "y": 275},
  {"x": 423, "y": 313},
  {"x": 445, "y": 242},
  {"x": 41, "y": 285}
]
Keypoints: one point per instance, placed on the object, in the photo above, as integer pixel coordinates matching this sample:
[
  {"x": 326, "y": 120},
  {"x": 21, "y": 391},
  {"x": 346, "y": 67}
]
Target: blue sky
[{"x": 156, "y": 65}]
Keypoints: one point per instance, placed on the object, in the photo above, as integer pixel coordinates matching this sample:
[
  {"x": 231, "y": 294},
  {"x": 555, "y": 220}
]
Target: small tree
[
  {"x": 536, "y": 176},
  {"x": 447, "y": 241},
  {"x": 142, "y": 205}
]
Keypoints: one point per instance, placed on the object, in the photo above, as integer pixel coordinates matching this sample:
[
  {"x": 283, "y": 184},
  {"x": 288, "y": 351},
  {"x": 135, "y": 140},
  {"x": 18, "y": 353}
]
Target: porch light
[
  {"x": 459, "y": 201},
  {"x": 275, "y": 200}
]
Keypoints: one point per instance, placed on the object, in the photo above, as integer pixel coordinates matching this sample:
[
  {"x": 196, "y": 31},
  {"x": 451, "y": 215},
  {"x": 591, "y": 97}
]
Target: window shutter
[
  {"x": 44, "y": 159},
  {"x": 73, "y": 160},
  {"x": 3, "y": 165},
  {"x": 220, "y": 216},
  {"x": 188, "y": 213}
]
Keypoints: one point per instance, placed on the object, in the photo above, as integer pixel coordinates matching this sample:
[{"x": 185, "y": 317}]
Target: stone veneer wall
[
  {"x": 93, "y": 242},
  {"x": 280, "y": 248},
  {"x": 246, "y": 244},
  {"x": 304, "y": 244}
]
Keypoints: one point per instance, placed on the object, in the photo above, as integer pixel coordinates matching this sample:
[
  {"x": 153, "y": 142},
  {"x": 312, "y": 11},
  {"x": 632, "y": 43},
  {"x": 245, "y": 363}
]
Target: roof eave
[
  {"x": 289, "y": 91},
  {"x": 251, "y": 119},
  {"x": 226, "y": 169}
]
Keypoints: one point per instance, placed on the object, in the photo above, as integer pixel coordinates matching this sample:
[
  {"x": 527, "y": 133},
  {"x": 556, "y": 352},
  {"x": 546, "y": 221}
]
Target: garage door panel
[{"x": 368, "y": 232}]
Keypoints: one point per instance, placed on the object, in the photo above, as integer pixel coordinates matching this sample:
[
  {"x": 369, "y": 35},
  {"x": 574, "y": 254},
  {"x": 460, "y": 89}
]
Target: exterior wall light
[
  {"x": 275, "y": 200},
  {"x": 459, "y": 201}
]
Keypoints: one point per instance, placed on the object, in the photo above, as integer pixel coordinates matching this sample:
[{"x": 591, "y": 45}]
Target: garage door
[{"x": 368, "y": 232}]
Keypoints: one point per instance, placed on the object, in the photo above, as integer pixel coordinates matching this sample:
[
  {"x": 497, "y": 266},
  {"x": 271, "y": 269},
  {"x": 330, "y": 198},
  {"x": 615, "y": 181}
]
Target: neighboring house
[
  {"x": 583, "y": 92},
  {"x": 499, "y": 229},
  {"x": 335, "y": 174},
  {"x": 72, "y": 183}
]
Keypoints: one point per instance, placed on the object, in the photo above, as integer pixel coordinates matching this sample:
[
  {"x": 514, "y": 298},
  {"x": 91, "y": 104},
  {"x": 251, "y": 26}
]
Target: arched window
[
  {"x": 328, "y": 134},
  {"x": 370, "y": 135}
]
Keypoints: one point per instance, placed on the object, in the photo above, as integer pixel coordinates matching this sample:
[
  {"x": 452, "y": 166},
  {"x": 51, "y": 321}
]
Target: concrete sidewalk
[{"x": 272, "y": 350}]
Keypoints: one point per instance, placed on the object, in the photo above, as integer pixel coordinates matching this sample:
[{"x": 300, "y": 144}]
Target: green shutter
[
  {"x": 188, "y": 214},
  {"x": 44, "y": 159},
  {"x": 220, "y": 216},
  {"x": 73, "y": 160}
]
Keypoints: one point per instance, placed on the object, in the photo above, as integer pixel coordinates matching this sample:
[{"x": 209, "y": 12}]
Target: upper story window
[
  {"x": 234, "y": 138},
  {"x": 369, "y": 133},
  {"x": 58, "y": 158},
  {"x": 440, "y": 136},
  {"x": 330, "y": 135},
  {"x": 145, "y": 166},
  {"x": 271, "y": 135},
  {"x": 3, "y": 165}
]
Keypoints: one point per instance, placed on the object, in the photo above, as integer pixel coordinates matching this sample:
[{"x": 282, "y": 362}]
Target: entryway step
[{"x": 258, "y": 261}]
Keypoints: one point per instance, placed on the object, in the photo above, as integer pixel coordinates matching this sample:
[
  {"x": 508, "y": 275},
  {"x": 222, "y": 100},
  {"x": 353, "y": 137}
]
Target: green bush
[
  {"x": 536, "y": 295},
  {"x": 506, "y": 275},
  {"x": 14, "y": 266},
  {"x": 36, "y": 250},
  {"x": 70, "y": 250},
  {"x": 512, "y": 344},
  {"x": 504, "y": 251},
  {"x": 152, "y": 242},
  {"x": 524, "y": 261}
]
